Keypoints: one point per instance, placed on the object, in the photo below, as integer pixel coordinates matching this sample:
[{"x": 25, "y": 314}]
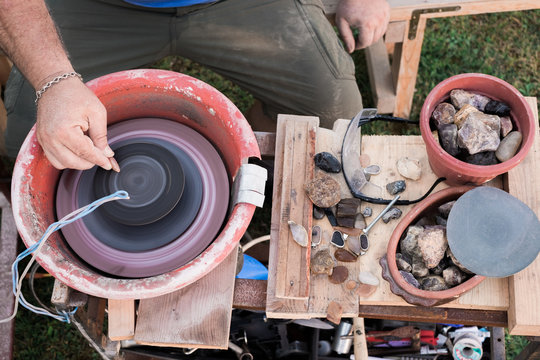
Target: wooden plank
[
  {"x": 292, "y": 277},
  {"x": 524, "y": 313},
  {"x": 266, "y": 142},
  {"x": 402, "y": 9},
  {"x": 360, "y": 343},
  {"x": 395, "y": 32},
  {"x": 405, "y": 69},
  {"x": 380, "y": 77},
  {"x": 196, "y": 316},
  {"x": 121, "y": 325}
]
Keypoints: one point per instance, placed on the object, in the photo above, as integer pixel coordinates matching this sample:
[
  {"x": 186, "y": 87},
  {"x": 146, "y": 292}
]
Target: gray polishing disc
[{"x": 492, "y": 233}]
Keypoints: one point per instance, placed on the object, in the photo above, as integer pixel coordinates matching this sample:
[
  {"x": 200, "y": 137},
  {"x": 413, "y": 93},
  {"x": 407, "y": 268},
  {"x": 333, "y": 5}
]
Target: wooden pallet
[{"x": 492, "y": 294}]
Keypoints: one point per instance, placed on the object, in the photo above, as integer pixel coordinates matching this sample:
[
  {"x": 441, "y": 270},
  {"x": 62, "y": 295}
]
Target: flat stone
[
  {"x": 409, "y": 244},
  {"x": 461, "y": 97},
  {"x": 410, "y": 168},
  {"x": 365, "y": 290},
  {"x": 346, "y": 211},
  {"x": 334, "y": 312},
  {"x": 448, "y": 135},
  {"x": 396, "y": 187},
  {"x": 403, "y": 262},
  {"x": 360, "y": 222},
  {"x": 475, "y": 136},
  {"x": 506, "y": 125},
  {"x": 484, "y": 158},
  {"x": 463, "y": 113},
  {"x": 353, "y": 244},
  {"x": 344, "y": 256},
  {"x": 509, "y": 146},
  {"x": 433, "y": 283},
  {"x": 497, "y": 108},
  {"x": 351, "y": 285},
  {"x": 337, "y": 239},
  {"x": 453, "y": 276},
  {"x": 410, "y": 279},
  {"x": 327, "y": 162},
  {"x": 323, "y": 191},
  {"x": 299, "y": 233},
  {"x": 365, "y": 277},
  {"x": 322, "y": 262},
  {"x": 393, "y": 213},
  {"x": 432, "y": 244},
  {"x": 444, "y": 209},
  {"x": 339, "y": 275},
  {"x": 443, "y": 114}
]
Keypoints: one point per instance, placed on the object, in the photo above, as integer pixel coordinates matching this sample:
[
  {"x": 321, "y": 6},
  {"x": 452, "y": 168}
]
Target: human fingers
[
  {"x": 79, "y": 144},
  {"x": 346, "y": 33},
  {"x": 68, "y": 159}
]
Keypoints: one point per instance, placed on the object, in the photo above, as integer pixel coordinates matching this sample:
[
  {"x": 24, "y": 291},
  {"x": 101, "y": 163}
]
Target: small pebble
[
  {"x": 506, "y": 126},
  {"x": 453, "y": 276},
  {"x": 443, "y": 264},
  {"x": 365, "y": 277},
  {"x": 509, "y": 146},
  {"x": 443, "y": 114},
  {"x": 497, "y": 108},
  {"x": 344, "y": 256},
  {"x": 409, "y": 168},
  {"x": 339, "y": 275},
  {"x": 419, "y": 268},
  {"x": 367, "y": 212},
  {"x": 396, "y": 187},
  {"x": 393, "y": 213},
  {"x": 448, "y": 138},
  {"x": 364, "y": 243},
  {"x": 337, "y": 239},
  {"x": 410, "y": 279},
  {"x": 323, "y": 191},
  {"x": 299, "y": 233},
  {"x": 403, "y": 262},
  {"x": 365, "y": 290},
  {"x": 318, "y": 213},
  {"x": 433, "y": 283},
  {"x": 327, "y": 162},
  {"x": 351, "y": 285}
]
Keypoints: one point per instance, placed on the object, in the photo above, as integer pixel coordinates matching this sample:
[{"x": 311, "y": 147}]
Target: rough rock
[
  {"x": 497, "y": 108},
  {"x": 367, "y": 212},
  {"x": 492, "y": 121},
  {"x": 409, "y": 244},
  {"x": 448, "y": 138},
  {"x": 344, "y": 256},
  {"x": 327, "y": 162},
  {"x": 323, "y": 191},
  {"x": 419, "y": 268},
  {"x": 440, "y": 220},
  {"x": 433, "y": 283},
  {"x": 445, "y": 208},
  {"x": 410, "y": 279},
  {"x": 506, "y": 125},
  {"x": 365, "y": 277},
  {"x": 463, "y": 113},
  {"x": 443, "y": 264},
  {"x": 346, "y": 211},
  {"x": 482, "y": 158},
  {"x": 396, "y": 187},
  {"x": 339, "y": 275},
  {"x": 443, "y": 114},
  {"x": 393, "y": 213},
  {"x": 403, "y": 262},
  {"x": 461, "y": 97},
  {"x": 322, "y": 262},
  {"x": 453, "y": 276},
  {"x": 432, "y": 244},
  {"x": 409, "y": 168},
  {"x": 509, "y": 146},
  {"x": 475, "y": 136}
]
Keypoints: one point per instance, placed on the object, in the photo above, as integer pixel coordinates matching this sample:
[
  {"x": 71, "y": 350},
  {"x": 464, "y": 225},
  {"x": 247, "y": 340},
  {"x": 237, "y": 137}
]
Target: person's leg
[
  {"x": 100, "y": 37},
  {"x": 284, "y": 52}
]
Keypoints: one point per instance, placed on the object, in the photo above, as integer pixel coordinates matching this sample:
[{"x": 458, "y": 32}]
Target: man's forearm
[{"x": 29, "y": 37}]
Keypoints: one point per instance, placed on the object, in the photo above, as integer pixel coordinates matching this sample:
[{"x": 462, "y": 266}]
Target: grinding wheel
[
  {"x": 492, "y": 233},
  {"x": 85, "y": 237}
]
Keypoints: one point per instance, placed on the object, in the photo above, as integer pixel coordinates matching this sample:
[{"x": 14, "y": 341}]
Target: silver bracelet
[{"x": 56, "y": 80}]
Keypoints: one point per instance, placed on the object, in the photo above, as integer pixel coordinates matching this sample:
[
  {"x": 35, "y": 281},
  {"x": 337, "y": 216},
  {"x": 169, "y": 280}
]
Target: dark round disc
[
  {"x": 492, "y": 233},
  {"x": 186, "y": 246},
  {"x": 153, "y": 178},
  {"x": 125, "y": 237}
]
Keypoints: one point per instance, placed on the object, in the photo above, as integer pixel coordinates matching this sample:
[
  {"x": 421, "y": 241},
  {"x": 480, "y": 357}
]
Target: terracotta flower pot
[
  {"x": 398, "y": 285},
  {"x": 456, "y": 171}
]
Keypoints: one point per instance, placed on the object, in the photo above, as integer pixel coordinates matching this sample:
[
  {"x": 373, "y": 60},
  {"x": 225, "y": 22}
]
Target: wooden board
[
  {"x": 524, "y": 310},
  {"x": 121, "y": 325},
  {"x": 380, "y": 77},
  {"x": 293, "y": 168},
  {"x": 384, "y": 151},
  {"x": 196, "y": 316}
]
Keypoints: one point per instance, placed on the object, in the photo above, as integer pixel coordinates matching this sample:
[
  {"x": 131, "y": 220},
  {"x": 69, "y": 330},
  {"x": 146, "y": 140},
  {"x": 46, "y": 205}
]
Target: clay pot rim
[
  {"x": 476, "y": 170},
  {"x": 441, "y": 196}
]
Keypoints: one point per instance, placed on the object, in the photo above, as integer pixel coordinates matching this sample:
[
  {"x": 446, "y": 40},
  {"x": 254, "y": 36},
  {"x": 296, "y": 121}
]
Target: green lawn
[{"x": 505, "y": 45}]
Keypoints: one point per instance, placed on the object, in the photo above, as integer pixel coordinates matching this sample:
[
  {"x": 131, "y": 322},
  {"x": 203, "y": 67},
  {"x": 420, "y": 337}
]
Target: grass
[{"x": 505, "y": 45}]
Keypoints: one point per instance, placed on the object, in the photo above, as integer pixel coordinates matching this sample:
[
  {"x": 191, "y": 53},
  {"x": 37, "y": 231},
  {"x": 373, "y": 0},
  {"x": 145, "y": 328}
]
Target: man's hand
[
  {"x": 370, "y": 17},
  {"x": 72, "y": 127}
]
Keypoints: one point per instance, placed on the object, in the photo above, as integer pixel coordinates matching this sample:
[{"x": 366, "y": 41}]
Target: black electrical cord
[{"x": 382, "y": 201}]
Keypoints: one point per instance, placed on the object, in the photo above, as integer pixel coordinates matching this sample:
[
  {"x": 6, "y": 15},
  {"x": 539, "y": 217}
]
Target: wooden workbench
[{"x": 509, "y": 300}]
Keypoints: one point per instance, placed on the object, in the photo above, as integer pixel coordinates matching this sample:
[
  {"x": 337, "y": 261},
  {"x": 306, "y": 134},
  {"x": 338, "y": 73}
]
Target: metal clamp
[
  {"x": 415, "y": 18},
  {"x": 249, "y": 185}
]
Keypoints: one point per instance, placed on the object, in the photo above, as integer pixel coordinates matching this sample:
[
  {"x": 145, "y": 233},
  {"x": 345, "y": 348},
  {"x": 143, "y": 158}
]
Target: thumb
[{"x": 346, "y": 34}]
